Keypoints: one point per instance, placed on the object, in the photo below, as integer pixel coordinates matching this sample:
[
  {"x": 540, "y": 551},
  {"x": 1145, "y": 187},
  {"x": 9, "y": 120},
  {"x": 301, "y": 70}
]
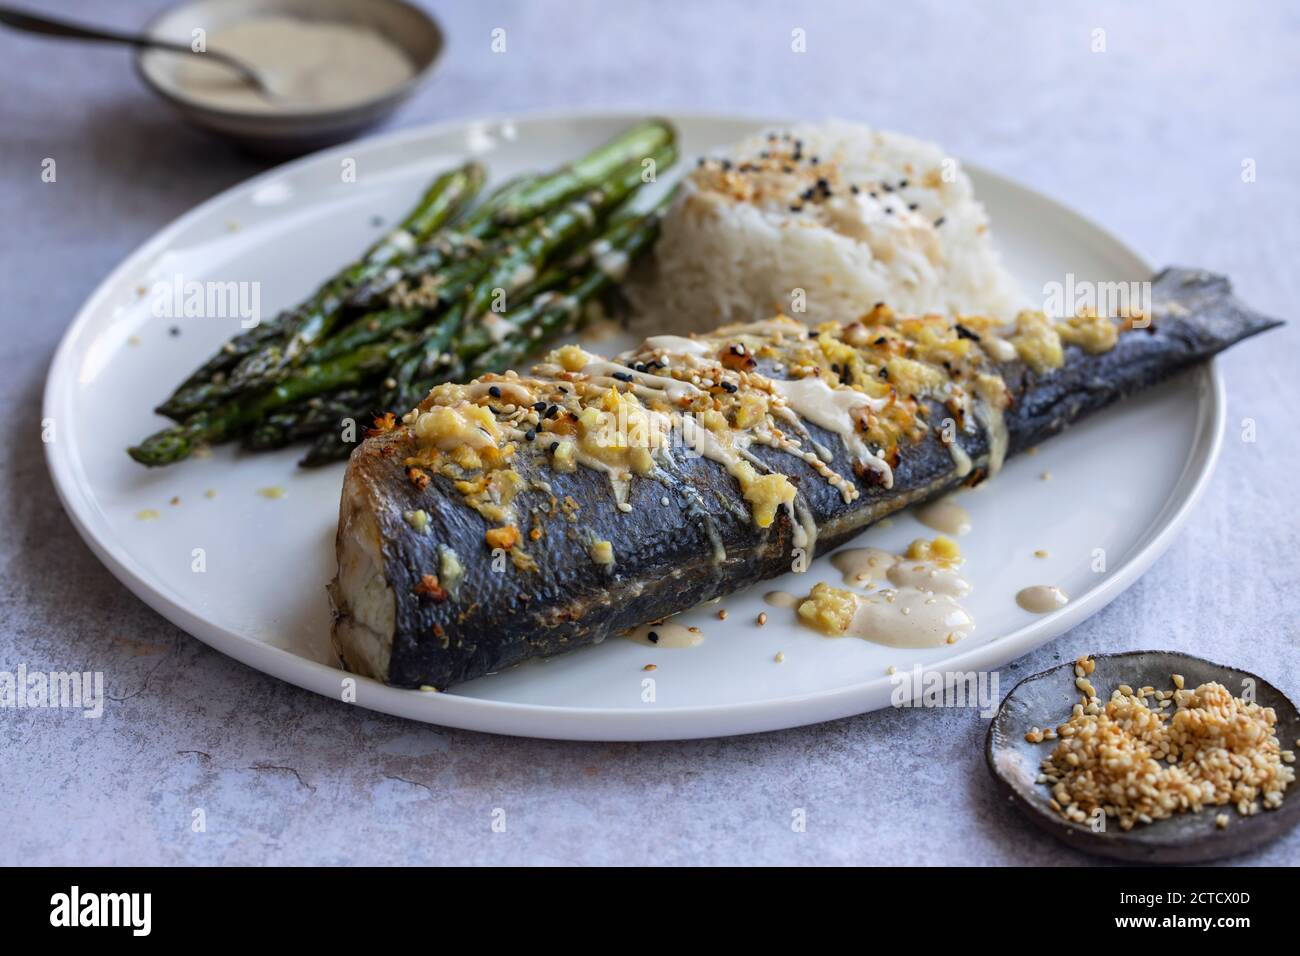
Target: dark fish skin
[{"x": 665, "y": 553}]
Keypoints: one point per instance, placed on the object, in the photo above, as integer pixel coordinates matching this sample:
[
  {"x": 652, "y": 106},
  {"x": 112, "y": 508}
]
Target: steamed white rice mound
[{"x": 823, "y": 221}]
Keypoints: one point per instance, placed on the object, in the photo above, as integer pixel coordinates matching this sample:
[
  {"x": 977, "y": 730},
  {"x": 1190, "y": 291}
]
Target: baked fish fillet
[{"x": 523, "y": 516}]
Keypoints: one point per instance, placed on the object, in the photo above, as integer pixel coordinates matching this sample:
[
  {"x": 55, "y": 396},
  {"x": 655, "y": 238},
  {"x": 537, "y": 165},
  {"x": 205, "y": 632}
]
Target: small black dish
[{"x": 1044, "y": 700}]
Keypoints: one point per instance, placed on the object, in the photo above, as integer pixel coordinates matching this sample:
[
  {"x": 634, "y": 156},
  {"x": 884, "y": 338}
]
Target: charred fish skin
[
  {"x": 1196, "y": 316},
  {"x": 686, "y": 535}
]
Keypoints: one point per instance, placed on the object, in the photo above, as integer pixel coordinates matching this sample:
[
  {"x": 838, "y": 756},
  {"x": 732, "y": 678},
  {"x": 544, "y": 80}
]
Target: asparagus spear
[
  {"x": 588, "y": 171},
  {"x": 327, "y": 447},
  {"x": 215, "y": 425},
  {"x": 524, "y": 258},
  {"x": 231, "y": 370},
  {"x": 547, "y": 312},
  {"x": 563, "y": 314},
  {"x": 308, "y": 419},
  {"x": 482, "y": 335},
  {"x": 221, "y": 422},
  {"x": 460, "y": 241},
  {"x": 330, "y": 446},
  {"x": 449, "y": 193},
  {"x": 366, "y": 349},
  {"x": 277, "y": 339}
]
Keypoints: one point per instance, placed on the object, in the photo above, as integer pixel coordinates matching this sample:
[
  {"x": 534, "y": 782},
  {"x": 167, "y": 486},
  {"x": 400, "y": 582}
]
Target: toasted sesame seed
[{"x": 1198, "y": 748}]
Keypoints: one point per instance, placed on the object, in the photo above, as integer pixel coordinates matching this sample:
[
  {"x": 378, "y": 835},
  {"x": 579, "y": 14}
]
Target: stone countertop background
[{"x": 1148, "y": 137}]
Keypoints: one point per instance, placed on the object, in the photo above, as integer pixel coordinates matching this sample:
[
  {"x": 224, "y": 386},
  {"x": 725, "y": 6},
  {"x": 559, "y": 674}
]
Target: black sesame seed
[
  {"x": 553, "y": 411},
  {"x": 530, "y": 434},
  {"x": 883, "y": 373},
  {"x": 814, "y": 161},
  {"x": 886, "y": 187},
  {"x": 853, "y": 189},
  {"x": 913, "y": 206},
  {"x": 539, "y": 406},
  {"x": 494, "y": 391},
  {"x": 880, "y": 341},
  {"x": 653, "y": 637},
  {"x": 965, "y": 333},
  {"x": 938, "y": 222},
  {"x": 623, "y": 376},
  {"x": 796, "y": 208},
  {"x": 902, "y": 184}
]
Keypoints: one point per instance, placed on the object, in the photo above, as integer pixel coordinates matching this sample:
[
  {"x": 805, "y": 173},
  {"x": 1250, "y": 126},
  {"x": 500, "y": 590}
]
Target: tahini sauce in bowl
[
  {"x": 337, "y": 66},
  {"x": 310, "y": 65}
]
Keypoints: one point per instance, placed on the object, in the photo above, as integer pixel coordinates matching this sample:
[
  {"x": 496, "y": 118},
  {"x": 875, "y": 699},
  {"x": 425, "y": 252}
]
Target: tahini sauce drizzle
[
  {"x": 835, "y": 409},
  {"x": 927, "y": 576},
  {"x": 945, "y": 516},
  {"x": 1042, "y": 598},
  {"x": 918, "y": 605},
  {"x": 664, "y": 634},
  {"x": 863, "y": 566},
  {"x": 910, "y": 618},
  {"x": 782, "y": 599}
]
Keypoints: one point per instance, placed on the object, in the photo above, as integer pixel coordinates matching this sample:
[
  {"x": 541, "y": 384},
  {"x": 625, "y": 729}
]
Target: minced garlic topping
[
  {"x": 1093, "y": 333},
  {"x": 941, "y": 550},
  {"x": 1037, "y": 342},
  {"x": 870, "y": 383},
  {"x": 829, "y": 609}
]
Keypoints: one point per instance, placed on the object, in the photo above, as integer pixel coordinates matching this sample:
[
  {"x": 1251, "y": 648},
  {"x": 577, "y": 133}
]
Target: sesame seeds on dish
[{"x": 1144, "y": 755}]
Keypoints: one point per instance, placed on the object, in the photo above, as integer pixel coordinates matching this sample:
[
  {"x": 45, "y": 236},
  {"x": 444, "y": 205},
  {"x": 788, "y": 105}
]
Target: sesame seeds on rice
[{"x": 821, "y": 222}]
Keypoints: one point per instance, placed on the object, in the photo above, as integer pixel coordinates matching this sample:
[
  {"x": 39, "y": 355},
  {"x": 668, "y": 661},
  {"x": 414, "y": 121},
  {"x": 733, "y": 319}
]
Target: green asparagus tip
[{"x": 165, "y": 448}]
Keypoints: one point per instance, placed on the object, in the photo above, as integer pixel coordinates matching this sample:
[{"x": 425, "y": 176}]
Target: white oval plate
[{"x": 1122, "y": 483}]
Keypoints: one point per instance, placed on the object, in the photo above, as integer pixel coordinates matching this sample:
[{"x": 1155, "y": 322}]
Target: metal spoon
[
  {"x": 46, "y": 26},
  {"x": 1045, "y": 699}
]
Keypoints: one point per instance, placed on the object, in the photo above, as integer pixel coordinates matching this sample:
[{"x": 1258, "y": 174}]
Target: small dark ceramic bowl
[
  {"x": 1045, "y": 700},
  {"x": 406, "y": 26}
]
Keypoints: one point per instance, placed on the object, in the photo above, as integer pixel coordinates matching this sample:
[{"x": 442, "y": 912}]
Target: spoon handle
[
  {"x": 63, "y": 29},
  {"x": 47, "y": 26}
]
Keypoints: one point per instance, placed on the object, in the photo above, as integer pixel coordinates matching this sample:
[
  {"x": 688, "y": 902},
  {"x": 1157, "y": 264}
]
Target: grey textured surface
[{"x": 1148, "y": 137}]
